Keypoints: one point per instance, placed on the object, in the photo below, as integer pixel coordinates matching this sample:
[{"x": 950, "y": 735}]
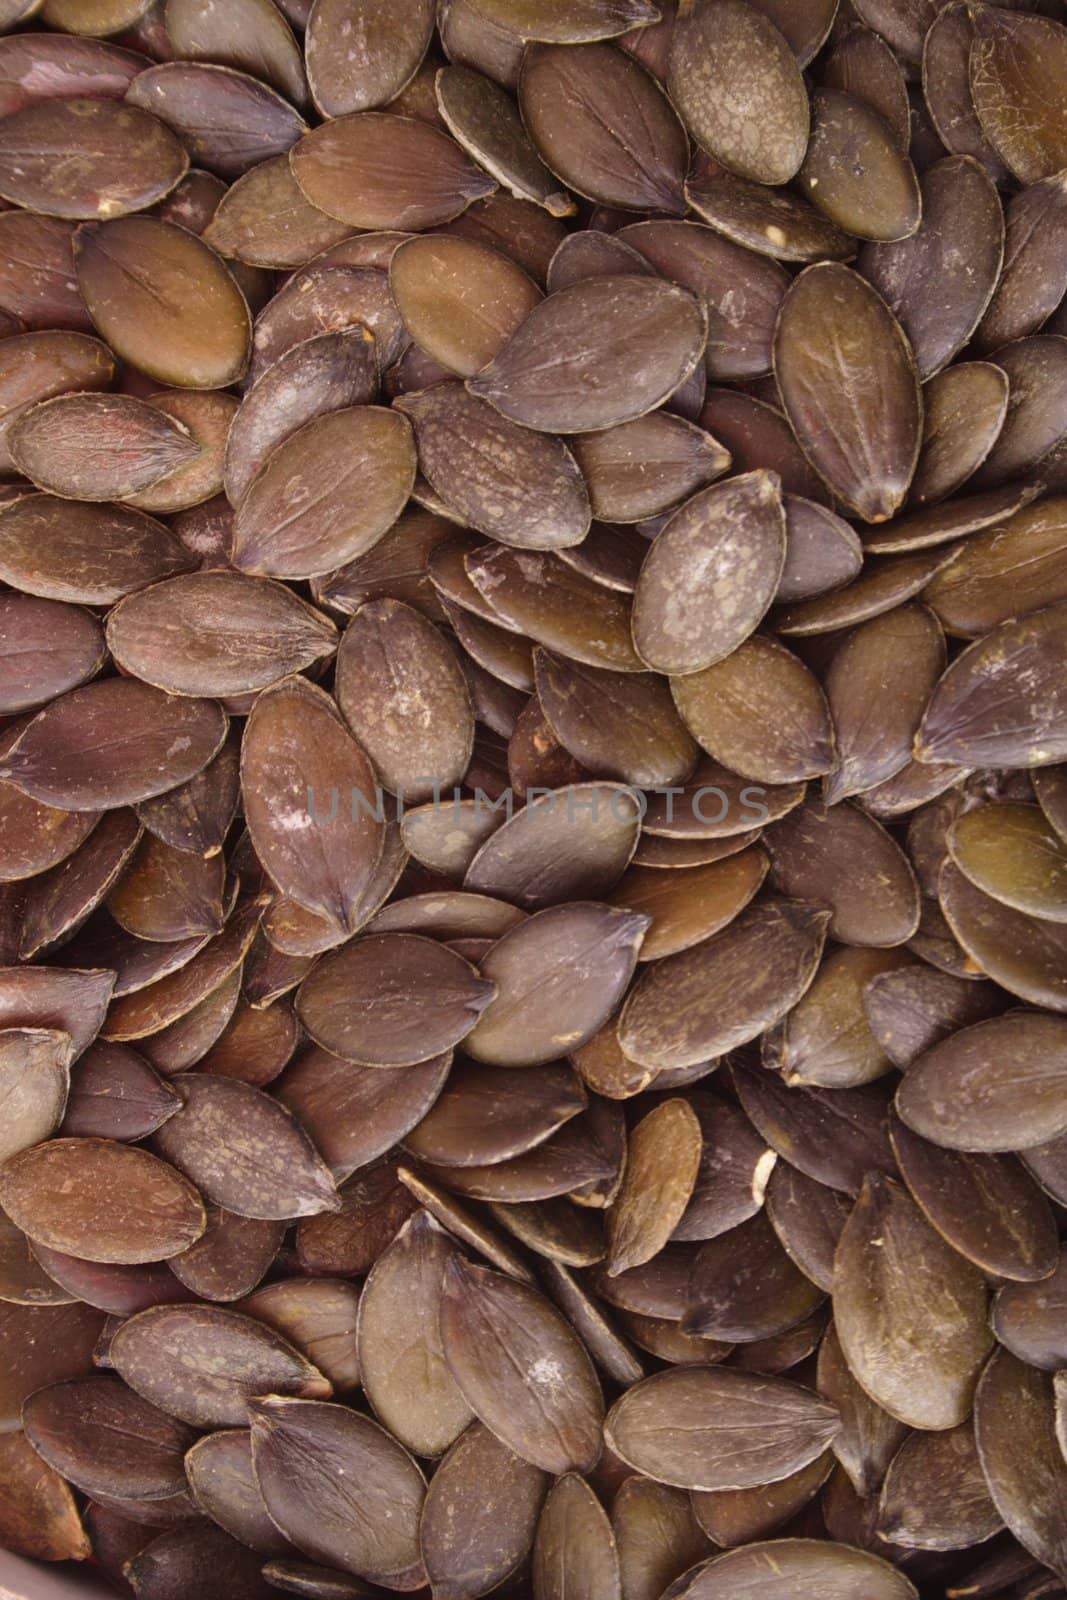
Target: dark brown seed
[
  {"x": 784, "y": 1568},
  {"x": 106, "y": 1439},
  {"x": 735, "y": 1517},
  {"x": 912, "y": 1009},
  {"x": 358, "y": 74},
  {"x": 39, "y": 1517},
  {"x": 327, "y": 373},
  {"x": 835, "y": 1136},
  {"x": 101, "y": 1201},
  {"x": 1033, "y": 429},
  {"x": 958, "y": 1513},
  {"x": 1015, "y": 64},
  {"x": 115, "y": 1094},
  {"x": 855, "y": 172},
  {"x": 460, "y": 301},
  {"x": 809, "y": 850},
  {"x": 396, "y": 567},
  {"x": 679, "y": 1427},
  {"x": 567, "y": 844},
  {"x": 826, "y": 1040},
  {"x": 909, "y": 1311},
  {"x": 743, "y": 1287},
  {"x": 167, "y": 894},
  {"x": 37, "y": 282},
  {"x": 267, "y": 1167},
  {"x": 773, "y": 222},
  {"x": 1033, "y": 281},
  {"x": 298, "y": 517},
  {"x": 164, "y": 301},
  {"x": 265, "y": 221},
  {"x": 702, "y": 1002},
  {"x": 230, "y": 1257},
  {"x": 185, "y": 1557},
  {"x": 45, "y": 649},
  {"x": 227, "y": 120},
  {"x": 1016, "y": 567},
  {"x": 869, "y": 1437},
  {"x": 76, "y": 551},
  {"x": 960, "y": 215},
  {"x": 1023, "y": 1465},
  {"x": 864, "y": 66},
  {"x": 963, "y": 1092},
  {"x": 521, "y": 1369},
  {"x": 574, "y": 1551},
  {"x": 822, "y": 552},
  {"x": 964, "y": 409},
  {"x": 840, "y": 421},
  {"x": 624, "y": 344},
  {"x": 219, "y": 1470},
  {"x": 621, "y": 724},
  {"x": 1009, "y": 851},
  {"x": 522, "y": 488},
  {"x": 202, "y": 1364},
  {"x": 604, "y": 126},
  {"x": 517, "y": 1116},
  {"x": 485, "y": 121},
  {"x": 656, "y": 1534},
  {"x": 252, "y": 37},
  {"x": 687, "y": 906},
  {"x": 663, "y": 1158},
  {"x": 364, "y": 1517},
  {"x": 1028, "y": 1318},
  {"x": 41, "y": 365},
  {"x": 126, "y": 159},
  {"x": 761, "y": 713},
  {"x": 724, "y": 552},
  {"x": 808, "y": 1218},
  {"x": 402, "y": 1363},
  {"x": 349, "y": 169},
  {"x": 392, "y": 1000},
  {"x": 646, "y": 467},
  {"x": 558, "y": 976},
  {"x": 585, "y": 20},
  {"x": 1023, "y": 954},
  {"x": 756, "y": 127},
  {"x": 875, "y": 716},
  {"x": 319, "y": 1318},
  {"x": 34, "y": 1078},
  {"x": 498, "y": 1496},
  {"x": 98, "y": 447},
  {"x": 330, "y": 298},
  {"x": 986, "y": 1206},
  {"x": 534, "y": 593}
]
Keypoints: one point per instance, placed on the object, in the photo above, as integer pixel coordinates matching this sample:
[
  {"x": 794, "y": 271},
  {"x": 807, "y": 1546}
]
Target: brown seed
[
  {"x": 689, "y": 905},
  {"x": 761, "y": 713},
  {"x": 392, "y": 43},
  {"x": 656, "y": 1534},
  {"x": 1023, "y": 1465},
  {"x": 758, "y": 127},
  {"x": 869, "y": 1437},
  {"x": 960, "y": 214},
  {"x": 908, "y": 1293},
  {"x": 533, "y": 592},
  {"x": 76, "y": 551},
  {"x": 702, "y": 1002},
  {"x": 840, "y": 422},
  {"x": 558, "y": 977},
  {"x": 104, "y": 182},
  {"x": 348, "y": 168},
  {"x": 164, "y": 301},
  {"x": 499, "y": 1496},
  {"x": 912, "y": 1009},
  {"x": 106, "y": 1439},
  {"x": 219, "y": 1470},
  {"x": 855, "y": 172},
  {"x": 393, "y": 1000},
  {"x": 566, "y": 844},
  {"x": 808, "y": 1218},
  {"x": 459, "y": 300},
  {"x": 41, "y": 365},
  {"x": 227, "y": 120},
  {"x": 114, "y": 1094},
  {"x": 266, "y": 1168},
  {"x": 34, "y": 1079},
  {"x": 648, "y": 466},
  {"x": 264, "y": 220},
  {"x": 298, "y": 517},
  {"x": 1018, "y": 566},
  {"x": 1014, "y": 63},
  {"x": 773, "y": 222},
  {"x": 679, "y": 1426},
  {"x": 98, "y": 447},
  {"x": 1023, "y": 954},
  {"x": 622, "y": 724},
  {"x": 252, "y": 36},
  {"x": 1033, "y": 428},
  {"x": 964, "y": 409},
  {"x": 585, "y": 20},
  {"x": 522, "y": 488},
  {"x": 101, "y": 1201},
  {"x": 1009, "y": 851},
  {"x": 1033, "y": 265},
  {"x": 486, "y": 122},
  {"x": 365, "y": 1518},
  {"x": 39, "y": 1517},
  {"x": 826, "y": 1040},
  {"x": 402, "y": 1363},
  {"x": 625, "y": 344},
  {"x": 784, "y": 1568},
  {"x": 604, "y": 126},
  {"x": 663, "y": 1157},
  {"x": 230, "y": 1257},
  {"x": 804, "y": 1126},
  {"x": 809, "y": 849},
  {"x": 724, "y": 552},
  {"x": 517, "y": 1117},
  {"x": 520, "y": 1368},
  {"x": 574, "y": 1539},
  {"x": 986, "y": 1206},
  {"x": 45, "y": 649},
  {"x": 961, "y": 1095},
  {"x": 959, "y": 1512}
]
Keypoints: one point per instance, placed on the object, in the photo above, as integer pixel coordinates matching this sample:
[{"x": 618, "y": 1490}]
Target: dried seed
[
  {"x": 227, "y": 120},
  {"x": 1023, "y": 1465},
  {"x": 855, "y": 172},
  {"x": 219, "y": 1470},
  {"x": 98, "y": 447},
  {"x": 1014, "y": 59},
  {"x": 487, "y": 124},
  {"x": 106, "y": 1439},
  {"x": 782, "y": 1568},
  {"x": 499, "y": 1498},
  {"x": 520, "y": 1368},
  {"x": 34, "y": 1080}
]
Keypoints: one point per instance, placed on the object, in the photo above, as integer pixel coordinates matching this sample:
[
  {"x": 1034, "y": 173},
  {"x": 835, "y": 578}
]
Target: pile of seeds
[{"x": 533, "y": 797}]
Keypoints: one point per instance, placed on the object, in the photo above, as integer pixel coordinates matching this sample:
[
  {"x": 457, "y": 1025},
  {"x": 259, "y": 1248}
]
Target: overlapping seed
[{"x": 533, "y": 827}]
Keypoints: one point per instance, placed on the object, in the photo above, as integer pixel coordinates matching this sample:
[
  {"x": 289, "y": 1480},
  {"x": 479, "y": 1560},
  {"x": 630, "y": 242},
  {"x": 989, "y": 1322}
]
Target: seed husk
[
  {"x": 98, "y": 447},
  {"x": 106, "y": 1439},
  {"x": 855, "y": 172},
  {"x": 1024, "y": 1470},
  {"x": 500, "y": 1495},
  {"x": 625, "y": 345},
  {"x": 486, "y": 123},
  {"x": 783, "y": 1568},
  {"x": 946, "y": 1320},
  {"x": 520, "y": 1368},
  {"x": 757, "y": 128},
  {"x": 1012, "y": 59}
]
